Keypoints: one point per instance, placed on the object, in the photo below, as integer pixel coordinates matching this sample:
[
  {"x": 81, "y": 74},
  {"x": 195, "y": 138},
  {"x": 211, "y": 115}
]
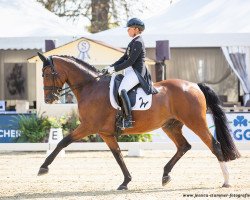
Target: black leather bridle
[
  {"x": 55, "y": 90},
  {"x": 53, "y": 75}
]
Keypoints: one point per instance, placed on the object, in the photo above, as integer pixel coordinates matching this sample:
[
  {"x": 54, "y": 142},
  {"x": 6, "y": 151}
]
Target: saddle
[{"x": 138, "y": 98}]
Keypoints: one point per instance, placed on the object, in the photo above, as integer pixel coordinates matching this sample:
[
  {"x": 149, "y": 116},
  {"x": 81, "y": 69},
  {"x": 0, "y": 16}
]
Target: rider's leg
[
  {"x": 129, "y": 81},
  {"x": 127, "y": 108}
]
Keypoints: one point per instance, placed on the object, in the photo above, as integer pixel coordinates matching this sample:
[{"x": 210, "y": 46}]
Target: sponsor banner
[
  {"x": 239, "y": 123},
  {"x": 9, "y": 128}
]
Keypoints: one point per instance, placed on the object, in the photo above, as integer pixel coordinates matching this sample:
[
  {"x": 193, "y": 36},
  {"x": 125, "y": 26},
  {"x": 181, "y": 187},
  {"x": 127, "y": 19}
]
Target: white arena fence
[
  {"x": 101, "y": 146},
  {"x": 134, "y": 149}
]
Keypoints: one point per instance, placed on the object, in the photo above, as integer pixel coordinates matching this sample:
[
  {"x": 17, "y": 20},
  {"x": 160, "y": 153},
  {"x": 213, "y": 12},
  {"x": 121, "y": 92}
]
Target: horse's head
[{"x": 52, "y": 80}]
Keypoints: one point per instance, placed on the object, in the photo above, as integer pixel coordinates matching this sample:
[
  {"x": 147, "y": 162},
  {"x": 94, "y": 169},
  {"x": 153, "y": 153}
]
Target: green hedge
[{"x": 35, "y": 128}]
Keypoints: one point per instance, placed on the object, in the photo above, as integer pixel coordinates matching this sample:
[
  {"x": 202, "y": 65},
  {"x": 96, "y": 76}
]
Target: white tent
[
  {"x": 192, "y": 23},
  {"x": 26, "y": 24}
]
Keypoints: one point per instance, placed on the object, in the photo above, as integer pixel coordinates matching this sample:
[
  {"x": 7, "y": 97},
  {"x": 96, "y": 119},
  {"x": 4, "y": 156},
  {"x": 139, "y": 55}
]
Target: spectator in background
[{"x": 69, "y": 98}]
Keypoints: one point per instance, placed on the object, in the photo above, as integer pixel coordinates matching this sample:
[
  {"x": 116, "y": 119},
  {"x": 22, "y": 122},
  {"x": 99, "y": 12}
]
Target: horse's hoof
[
  {"x": 122, "y": 187},
  {"x": 165, "y": 180},
  {"x": 226, "y": 185},
  {"x": 43, "y": 171}
]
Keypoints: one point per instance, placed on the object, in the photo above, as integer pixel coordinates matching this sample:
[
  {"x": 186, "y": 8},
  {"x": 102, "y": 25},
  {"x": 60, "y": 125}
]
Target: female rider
[{"x": 133, "y": 61}]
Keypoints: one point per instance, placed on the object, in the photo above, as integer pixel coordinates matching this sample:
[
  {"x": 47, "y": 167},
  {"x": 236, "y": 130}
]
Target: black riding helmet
[{"x": 135, "y": 22}]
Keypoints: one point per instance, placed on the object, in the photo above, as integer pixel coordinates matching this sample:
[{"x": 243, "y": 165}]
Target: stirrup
[
  {"x": 120, "y": 124},
  {"x": 125, "y": 123},
  {"x": 128, "y": 123}
]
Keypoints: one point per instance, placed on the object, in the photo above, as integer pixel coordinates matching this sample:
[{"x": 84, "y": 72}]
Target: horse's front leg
[
  {"x": 111, "y": 141},
  {"x": 77, "y": 134}
]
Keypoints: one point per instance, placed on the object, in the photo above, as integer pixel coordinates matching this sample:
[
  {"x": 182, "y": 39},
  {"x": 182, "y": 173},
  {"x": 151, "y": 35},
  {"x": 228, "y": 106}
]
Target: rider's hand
[{"x": 109, "y": 70}]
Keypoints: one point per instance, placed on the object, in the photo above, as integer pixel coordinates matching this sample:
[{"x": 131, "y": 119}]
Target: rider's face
[{"x": 132, "y": 32}]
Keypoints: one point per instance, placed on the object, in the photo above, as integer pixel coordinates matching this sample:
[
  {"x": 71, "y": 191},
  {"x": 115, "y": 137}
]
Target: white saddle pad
[{"x": 143, "y": 101}]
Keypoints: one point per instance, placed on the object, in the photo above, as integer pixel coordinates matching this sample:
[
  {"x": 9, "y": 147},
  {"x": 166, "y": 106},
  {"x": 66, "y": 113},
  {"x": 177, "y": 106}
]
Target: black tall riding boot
[{"x": 127, "y": 108}]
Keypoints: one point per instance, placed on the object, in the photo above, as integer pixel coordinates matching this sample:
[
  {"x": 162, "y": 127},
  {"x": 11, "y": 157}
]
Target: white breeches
[{"x": 129, "y": 81}]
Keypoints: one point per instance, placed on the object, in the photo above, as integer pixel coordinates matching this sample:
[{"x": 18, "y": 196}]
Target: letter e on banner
[{"x": 55, "y": 136}]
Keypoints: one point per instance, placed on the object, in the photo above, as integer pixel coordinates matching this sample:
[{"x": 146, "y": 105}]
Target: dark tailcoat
[{"x": 135, "y": 57}]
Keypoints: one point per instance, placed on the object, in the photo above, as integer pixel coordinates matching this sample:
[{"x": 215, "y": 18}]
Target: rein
[{"x": 73, "y": 87}]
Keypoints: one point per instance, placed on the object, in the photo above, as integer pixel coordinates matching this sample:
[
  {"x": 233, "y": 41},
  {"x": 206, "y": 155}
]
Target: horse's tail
[{"x": 223, "y": 135}]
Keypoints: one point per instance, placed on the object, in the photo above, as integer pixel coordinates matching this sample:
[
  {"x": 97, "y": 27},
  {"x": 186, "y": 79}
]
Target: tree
[
  {"x": 99, "y": 13},
  {"x": 103, "y": 14}
]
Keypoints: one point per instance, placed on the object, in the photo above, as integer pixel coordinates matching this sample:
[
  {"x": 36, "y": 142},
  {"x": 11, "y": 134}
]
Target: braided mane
[{"x": 81, "y": 62}]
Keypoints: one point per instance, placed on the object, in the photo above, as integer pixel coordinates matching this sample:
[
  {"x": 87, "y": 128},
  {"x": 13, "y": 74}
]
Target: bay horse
[{"x": 177, "y": 103}]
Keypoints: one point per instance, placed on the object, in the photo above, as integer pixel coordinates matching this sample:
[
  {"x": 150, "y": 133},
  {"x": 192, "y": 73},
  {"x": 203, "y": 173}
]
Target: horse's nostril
[{"x": 47, "y": 100}]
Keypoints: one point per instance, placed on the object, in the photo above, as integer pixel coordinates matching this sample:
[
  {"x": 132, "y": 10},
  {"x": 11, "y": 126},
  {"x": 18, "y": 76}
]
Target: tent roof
[
  {"x": 27, "y": 19},
  {"x": 189, "y": 23}
]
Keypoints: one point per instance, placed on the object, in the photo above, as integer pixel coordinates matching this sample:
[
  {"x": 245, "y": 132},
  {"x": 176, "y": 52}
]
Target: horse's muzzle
[{"x": 51, "y": 98}]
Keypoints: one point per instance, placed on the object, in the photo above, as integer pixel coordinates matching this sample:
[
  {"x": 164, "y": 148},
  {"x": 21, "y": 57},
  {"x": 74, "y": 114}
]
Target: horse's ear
[{"x": 42, "y": 57}]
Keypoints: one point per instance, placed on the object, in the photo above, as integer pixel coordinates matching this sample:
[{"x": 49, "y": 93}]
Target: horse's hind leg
[
  {"x": 200, "y": 128},
  {"x": 215, "y": 147},
  {"x": 173, "y": 129}
]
